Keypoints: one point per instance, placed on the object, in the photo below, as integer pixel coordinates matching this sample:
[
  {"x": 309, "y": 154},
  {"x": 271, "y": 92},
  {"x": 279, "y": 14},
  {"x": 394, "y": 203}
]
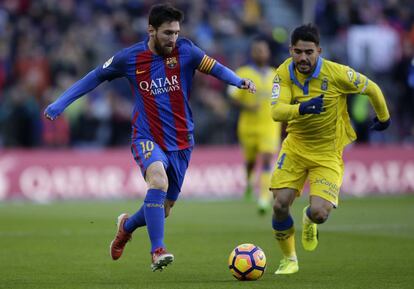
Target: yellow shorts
[
  {"x": 325, "y": 172},
  {"x": 254, "y": 142}
]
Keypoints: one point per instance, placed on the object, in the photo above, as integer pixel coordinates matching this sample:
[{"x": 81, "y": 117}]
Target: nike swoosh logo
[{"x": 139, "y": 71}]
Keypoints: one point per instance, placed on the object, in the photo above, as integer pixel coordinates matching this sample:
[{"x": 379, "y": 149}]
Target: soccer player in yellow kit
[
  {"x": 310, "y": 93},
  {"x": 258, "y": 134}
]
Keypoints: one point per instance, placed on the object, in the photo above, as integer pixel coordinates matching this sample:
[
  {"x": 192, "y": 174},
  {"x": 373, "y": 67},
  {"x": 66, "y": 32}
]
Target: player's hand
[
  {"x": 51, "y": 112},
  {"x": 312, "y": 106},
  {"x": 380, "y": 125},
  {"x": 248, "y": 84}
]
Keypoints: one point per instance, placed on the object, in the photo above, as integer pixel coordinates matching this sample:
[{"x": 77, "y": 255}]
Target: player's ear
[
  {"x": 151, "y": 30},
  {"x": 290, "y": 50},
  {"x": 319, "y": 50}
]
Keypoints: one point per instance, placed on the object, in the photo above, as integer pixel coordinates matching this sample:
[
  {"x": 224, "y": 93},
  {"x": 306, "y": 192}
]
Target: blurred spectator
[
  {"x": 55, "y": 134},
  {"x": 45, "y": 45},
  {"x": 212, "y": 111},
  {"x": 20, "y": 117},
  {"x": 359, "y": 113},
  {"x": 366, "y": 53},
  {"x": 403, "y": 76},
  {"x": 377, "y": 35}
]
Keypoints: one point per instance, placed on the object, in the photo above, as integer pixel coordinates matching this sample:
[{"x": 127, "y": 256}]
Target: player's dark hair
[
  {"x": 259, "y": 38},
  {"x": 162, "y": 13},
  {"x": 307, "y": 32}
]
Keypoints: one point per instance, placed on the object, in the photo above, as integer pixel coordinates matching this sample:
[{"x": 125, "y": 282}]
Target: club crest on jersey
[
  {"x": 171, "y": 62},
  {"x": 324, "y": 84},
  {"x": 108, "y": 62}
]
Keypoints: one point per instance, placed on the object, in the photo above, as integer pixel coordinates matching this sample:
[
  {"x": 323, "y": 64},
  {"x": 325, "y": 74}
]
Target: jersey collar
[{"x": 315, "y": 74}]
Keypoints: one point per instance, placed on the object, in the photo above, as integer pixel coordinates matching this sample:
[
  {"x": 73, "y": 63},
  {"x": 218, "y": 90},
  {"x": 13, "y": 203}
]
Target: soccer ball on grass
[{"x": 247, "y": 262}]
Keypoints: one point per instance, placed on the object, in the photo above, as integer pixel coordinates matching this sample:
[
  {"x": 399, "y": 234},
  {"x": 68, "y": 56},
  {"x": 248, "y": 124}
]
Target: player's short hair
[
  {"x": 162, "y": 13},
  {"x": 307, "y": 32},
  {"x": 260, "y": 38}
]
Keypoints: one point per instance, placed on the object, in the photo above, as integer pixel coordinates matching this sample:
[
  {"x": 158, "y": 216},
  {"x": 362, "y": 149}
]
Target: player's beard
[
  {"x": 161, "y": 50},
  {"x": 305, "y": 67}
]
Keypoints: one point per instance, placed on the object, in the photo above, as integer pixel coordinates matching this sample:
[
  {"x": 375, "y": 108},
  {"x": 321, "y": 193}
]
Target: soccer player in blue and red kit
[{"x": 160, "y": 70}]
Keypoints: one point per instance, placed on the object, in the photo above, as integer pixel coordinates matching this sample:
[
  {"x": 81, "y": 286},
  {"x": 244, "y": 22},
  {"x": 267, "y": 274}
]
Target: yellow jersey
[
  {"x": 260, "y": 117},
  {"x": 331, "y": 130}
]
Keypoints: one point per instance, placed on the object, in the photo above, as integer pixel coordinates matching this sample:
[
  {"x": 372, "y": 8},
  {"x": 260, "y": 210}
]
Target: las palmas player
[
  {"x": 310, "y": 94},
  {"x": 258, "y": 134},
  {"x": 160, "y": 70}
]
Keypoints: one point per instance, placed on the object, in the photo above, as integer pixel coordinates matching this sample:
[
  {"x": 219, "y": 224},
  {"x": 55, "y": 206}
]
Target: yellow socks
[
  {"x": 285, "y": 235},
  {"x": 286, "y": 240}
]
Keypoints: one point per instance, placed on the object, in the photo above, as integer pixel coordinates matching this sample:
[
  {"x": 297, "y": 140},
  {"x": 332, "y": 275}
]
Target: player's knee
[
  {"x": 159, "y": 182},
  {"x": 319, "y": 215},
  {"x": 280, "y": 207}
]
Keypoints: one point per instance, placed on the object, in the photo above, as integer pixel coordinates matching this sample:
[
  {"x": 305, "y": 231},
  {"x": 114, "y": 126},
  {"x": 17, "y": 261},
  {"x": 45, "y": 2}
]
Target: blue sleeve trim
[{"x": 225, "y": 74}]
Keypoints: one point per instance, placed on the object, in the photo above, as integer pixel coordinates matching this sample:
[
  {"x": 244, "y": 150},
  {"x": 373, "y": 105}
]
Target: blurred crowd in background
[{"x": 46, "y": 45}]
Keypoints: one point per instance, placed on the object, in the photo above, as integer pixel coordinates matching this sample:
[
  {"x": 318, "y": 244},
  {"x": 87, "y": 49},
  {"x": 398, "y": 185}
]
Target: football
[{"x": 247, "y": 262}]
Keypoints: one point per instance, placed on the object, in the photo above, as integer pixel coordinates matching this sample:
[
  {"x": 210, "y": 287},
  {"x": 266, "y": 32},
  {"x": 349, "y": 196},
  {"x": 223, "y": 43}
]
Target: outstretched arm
[
  {"x": 351, "y": 82},
  {"x": 211, "y": 66},
  {"x": 377, "y": 99},
  {"x": 79, "y": 88},
  {"x": 112, "y": 68},
  {"x": 227, "y": 75}
]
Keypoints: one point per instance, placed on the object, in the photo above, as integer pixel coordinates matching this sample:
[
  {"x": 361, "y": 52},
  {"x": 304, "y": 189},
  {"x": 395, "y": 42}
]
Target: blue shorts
[{"x": 146, "y": 152}]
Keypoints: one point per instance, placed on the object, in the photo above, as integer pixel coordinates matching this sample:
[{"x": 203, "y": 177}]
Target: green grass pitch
[{"x": 366, "y": 243}]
